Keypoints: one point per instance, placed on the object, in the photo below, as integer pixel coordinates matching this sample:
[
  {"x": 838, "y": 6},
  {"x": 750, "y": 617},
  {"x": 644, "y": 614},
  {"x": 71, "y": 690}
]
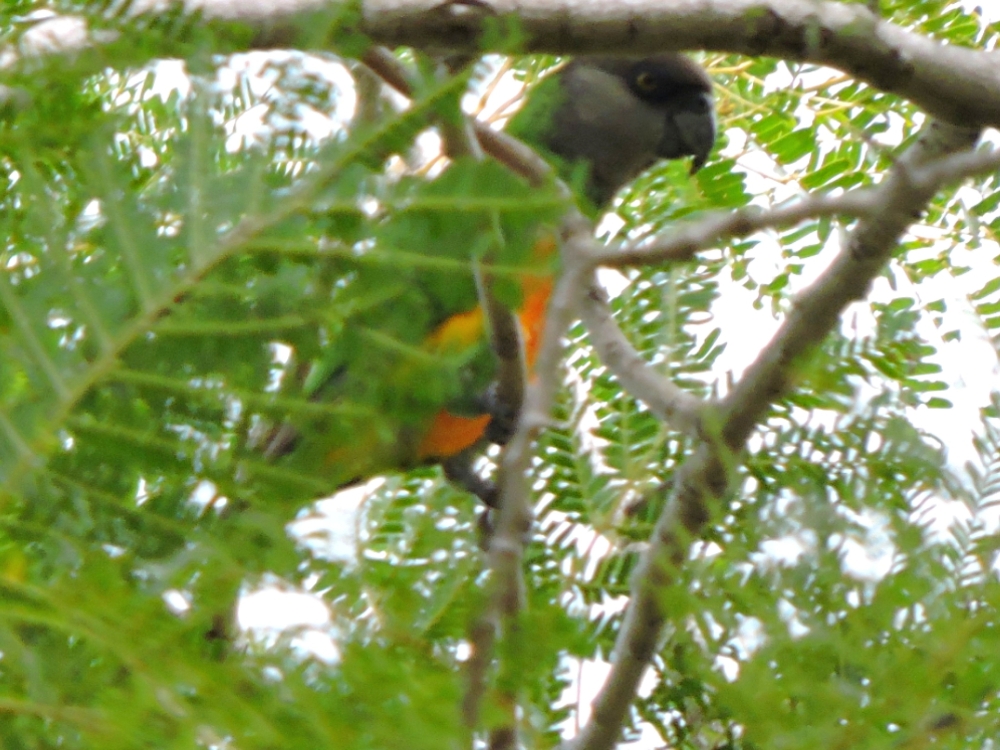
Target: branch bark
[
  {"x": 950, "y": 82},
  {"x": 955, "y": 84}
]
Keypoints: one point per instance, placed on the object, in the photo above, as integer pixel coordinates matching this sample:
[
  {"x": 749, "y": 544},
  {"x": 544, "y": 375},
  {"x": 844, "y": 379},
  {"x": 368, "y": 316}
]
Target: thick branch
[{"x": 953, "y": 83}]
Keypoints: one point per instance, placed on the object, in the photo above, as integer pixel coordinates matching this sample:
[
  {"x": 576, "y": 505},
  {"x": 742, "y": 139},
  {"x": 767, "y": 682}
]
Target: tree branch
[
  {"x": 953, "y": 83},
  {"x": 514, "y": 518},
  {"x": 706, "y": 475},
  {"x": 899, "y": 200},
  {"x": 683, "y": 241},
  {"x": 673, "y": 405}
]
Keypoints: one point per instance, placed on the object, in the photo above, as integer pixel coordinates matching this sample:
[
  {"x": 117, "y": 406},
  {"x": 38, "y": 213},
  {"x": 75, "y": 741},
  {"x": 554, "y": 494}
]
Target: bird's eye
[{"x": 645, "y": 81}]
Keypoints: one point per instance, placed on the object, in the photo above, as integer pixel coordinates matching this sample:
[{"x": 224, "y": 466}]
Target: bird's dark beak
[
  {"x": 690, "y": 130},
  {"x": 702, "y": 144}
]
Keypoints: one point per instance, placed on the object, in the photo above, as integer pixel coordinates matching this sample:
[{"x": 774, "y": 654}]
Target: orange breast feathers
[{"x": 448, "y": 433}]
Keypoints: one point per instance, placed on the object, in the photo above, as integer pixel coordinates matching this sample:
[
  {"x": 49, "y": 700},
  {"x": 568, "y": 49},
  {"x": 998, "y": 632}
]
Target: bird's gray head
[
  {"x": 619, "y": 115},
  {"x": 683, "y": 90}
]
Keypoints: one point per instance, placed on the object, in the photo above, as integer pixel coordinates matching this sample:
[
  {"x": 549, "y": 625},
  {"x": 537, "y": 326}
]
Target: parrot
[{"x": 600, "y": 121}]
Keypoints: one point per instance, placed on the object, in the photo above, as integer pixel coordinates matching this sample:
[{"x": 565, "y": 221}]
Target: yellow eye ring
[{"x": 645, "y": 81}]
